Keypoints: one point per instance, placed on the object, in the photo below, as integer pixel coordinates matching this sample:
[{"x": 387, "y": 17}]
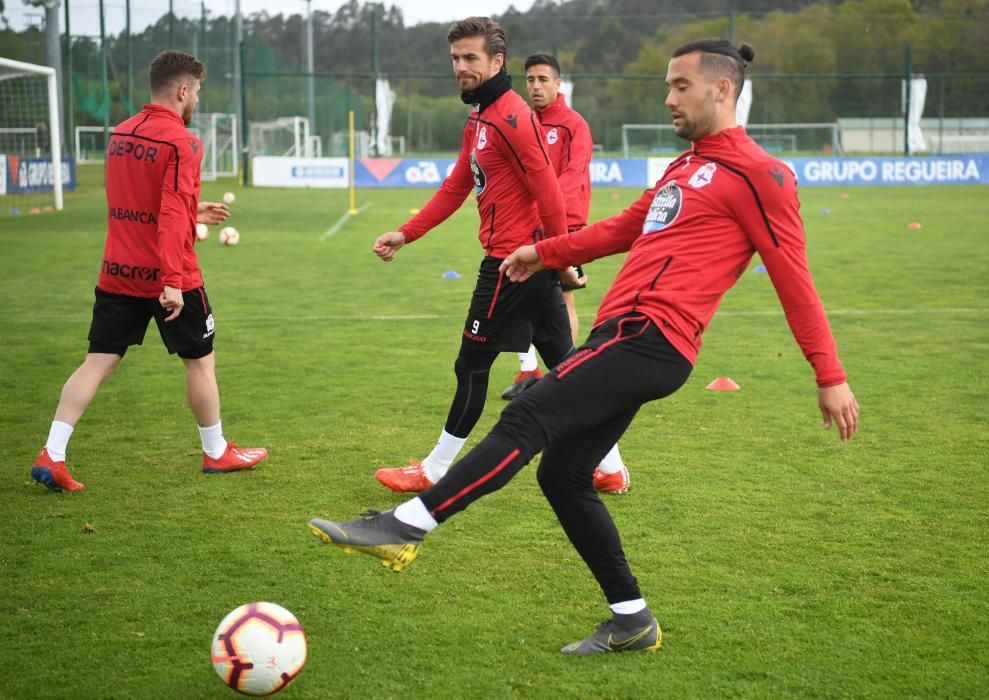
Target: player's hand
[
  {"x": 522, "y": 264},
  {"x": 571, "y": 278},
  {"x": 171, "y": 300},
  {"x": 388, "y": 244},
  {"x": 211, "y": 213},
  {"x": 838, "y": 405}
]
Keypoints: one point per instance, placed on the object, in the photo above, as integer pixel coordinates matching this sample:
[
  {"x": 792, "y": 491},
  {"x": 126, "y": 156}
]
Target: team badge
[
  {"x": 664, "y": 210},
  {"x": 703, "y": 176},
  {"x": 210, "y": 326},
  {"x": 482, "y": 138},
  {"x": 552, "y": 136},
  {"x": 480, "y": 180}
]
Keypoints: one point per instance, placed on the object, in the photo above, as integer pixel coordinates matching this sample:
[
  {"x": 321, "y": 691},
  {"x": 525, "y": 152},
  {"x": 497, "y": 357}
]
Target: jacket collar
[
  {"x": 493, "y": 88},
  {"x": 553, "y": 109}
]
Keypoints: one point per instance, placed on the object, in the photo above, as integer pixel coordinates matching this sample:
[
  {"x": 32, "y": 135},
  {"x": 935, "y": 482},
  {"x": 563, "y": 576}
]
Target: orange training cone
[{"x": 723, "y": 384}]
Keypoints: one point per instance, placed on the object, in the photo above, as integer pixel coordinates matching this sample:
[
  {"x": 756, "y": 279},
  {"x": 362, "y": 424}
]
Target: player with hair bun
[{"x": 689, "y": 239}]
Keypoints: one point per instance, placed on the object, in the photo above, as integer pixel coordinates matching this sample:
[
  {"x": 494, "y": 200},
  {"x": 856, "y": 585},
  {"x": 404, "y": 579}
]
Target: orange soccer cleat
[
  {"x": 612, "y": 483},
  {"x": 234, "y": 459},
  {"x": 408, "y": 479}
]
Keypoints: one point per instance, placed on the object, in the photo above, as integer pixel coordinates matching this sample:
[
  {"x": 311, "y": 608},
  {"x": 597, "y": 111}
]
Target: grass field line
[
  {"x": 341, "y": 221},
  {"x": 265, "y": 318}
]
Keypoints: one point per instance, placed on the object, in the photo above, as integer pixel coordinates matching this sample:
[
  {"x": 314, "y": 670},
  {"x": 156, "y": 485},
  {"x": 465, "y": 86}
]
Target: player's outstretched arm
[
  {"x": 212, "y": 213},
  {"x": 838, "y": 405},
  {"x": 521, "y": 264},
  {"x": 388, "y": 244}
]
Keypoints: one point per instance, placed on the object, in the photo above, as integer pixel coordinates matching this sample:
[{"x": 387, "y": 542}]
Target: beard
[
  {"x": 694, "y": 129},
  {"x": 187, "y": 113}
]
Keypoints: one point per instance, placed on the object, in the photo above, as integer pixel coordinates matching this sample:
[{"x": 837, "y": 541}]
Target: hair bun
[{"x": 746, "y": 52}]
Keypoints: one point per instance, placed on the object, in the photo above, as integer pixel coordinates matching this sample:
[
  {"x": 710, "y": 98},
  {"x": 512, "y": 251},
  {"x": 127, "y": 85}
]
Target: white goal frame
[
  {"x": 53, "y": 121},
  {"x": 753, "y": 130}
]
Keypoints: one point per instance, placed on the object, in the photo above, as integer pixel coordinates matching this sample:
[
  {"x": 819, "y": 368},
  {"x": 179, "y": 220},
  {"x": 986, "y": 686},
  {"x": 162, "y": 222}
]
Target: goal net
[
  {"x": 778, "y": 139},
  {"x": 31, "y": 167},
  {"x": 219, "y": 135}
]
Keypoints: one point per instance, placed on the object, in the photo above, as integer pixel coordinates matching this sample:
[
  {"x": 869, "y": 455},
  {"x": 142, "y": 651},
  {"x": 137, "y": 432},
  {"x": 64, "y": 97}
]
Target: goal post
[{"x": 24, "y": 113}]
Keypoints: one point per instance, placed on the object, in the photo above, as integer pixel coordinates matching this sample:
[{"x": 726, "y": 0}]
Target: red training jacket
[
  {"x": 568, "y": 139},
  {"x": 152, "y": 191},
  {"x": 503, "y": 156},
  {"x": 693, "y": 235}
]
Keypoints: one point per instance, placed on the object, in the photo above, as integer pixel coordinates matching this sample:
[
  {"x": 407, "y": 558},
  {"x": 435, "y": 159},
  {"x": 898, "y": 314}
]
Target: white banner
[
  {"x": 3, "y": 174},
  {"x": 278, "y": 171},
  {"x": 566, "y": 89},
  {"x": 918, "y": 97},
  {"x": 384, "y": 100},
  {"x": 744, "y": 104}
]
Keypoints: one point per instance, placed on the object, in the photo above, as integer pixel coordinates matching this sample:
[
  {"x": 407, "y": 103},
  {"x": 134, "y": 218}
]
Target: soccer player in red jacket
[
  {"x": 688, "y": 240},
  {"x": 568, "y": 140},
  {"x": 503, "y": 158},
  {"x": 569, "y": 144},
  {"x": 150, "y": 270}
]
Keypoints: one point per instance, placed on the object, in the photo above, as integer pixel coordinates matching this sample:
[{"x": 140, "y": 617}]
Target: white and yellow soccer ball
[
  {"x": 259, "y": 648},
  {"x": 202, "y": 231},
  {"x": 229, "y": 236},
  {"x": 229, "y": 198}
]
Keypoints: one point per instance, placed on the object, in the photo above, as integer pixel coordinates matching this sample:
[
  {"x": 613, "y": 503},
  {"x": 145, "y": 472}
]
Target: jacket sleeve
[
  {"x": 606, "y": 237},
  {"x": 179, "y": 197},
  {"x": 574, "y": 179},
  {"x": 532, "y": 162},
  {"x": 444, "y": 202},
  {"x": 773, "y": 224}
]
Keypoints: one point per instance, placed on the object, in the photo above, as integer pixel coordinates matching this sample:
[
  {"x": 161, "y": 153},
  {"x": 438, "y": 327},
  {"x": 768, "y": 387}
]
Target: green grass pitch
[{"x": 780, "y": 563}]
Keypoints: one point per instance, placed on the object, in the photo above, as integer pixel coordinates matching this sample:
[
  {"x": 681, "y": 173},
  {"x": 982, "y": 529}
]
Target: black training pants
[{"x": 574, "y": 415}]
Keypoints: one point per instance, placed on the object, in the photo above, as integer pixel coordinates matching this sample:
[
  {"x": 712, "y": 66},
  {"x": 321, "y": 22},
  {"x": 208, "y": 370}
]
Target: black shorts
[
  {"x": 120, "y": 321},
  {"x": 508, "y": 316}
]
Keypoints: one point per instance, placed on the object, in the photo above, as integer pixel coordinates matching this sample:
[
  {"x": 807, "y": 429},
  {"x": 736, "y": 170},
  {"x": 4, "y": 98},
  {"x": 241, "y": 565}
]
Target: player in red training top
[
  {"x": 688, "y": 240},
  {"x": 503, "y": 157},
  {"x": 568, "y": 140},
  {"x": 569, "y": 143},
  {"x": 150, "y": 269}
]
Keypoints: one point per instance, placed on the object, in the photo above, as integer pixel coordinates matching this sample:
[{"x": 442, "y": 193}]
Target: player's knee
[
  {"x": 103, "y": 363},
  {"x": 470, "y": 362},
  {"x": 551, "y": 479}
]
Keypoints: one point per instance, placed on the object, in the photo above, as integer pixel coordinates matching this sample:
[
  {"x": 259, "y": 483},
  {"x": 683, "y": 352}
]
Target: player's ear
[{"x": 725, "y": 89}]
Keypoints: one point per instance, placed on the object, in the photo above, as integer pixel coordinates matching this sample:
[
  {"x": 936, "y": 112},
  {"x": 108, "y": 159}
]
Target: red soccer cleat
[
  {"x": 234, "y": 459},
  {"x": 54, "y": 475},
  {"x": 612, "y": 483},
  {"x": 522, "y": 382},
  {"x": 408, "y": 479}
]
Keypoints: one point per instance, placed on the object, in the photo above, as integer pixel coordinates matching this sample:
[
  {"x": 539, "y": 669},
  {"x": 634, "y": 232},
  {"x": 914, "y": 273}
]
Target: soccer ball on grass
[{"x": 259, "y": 648}]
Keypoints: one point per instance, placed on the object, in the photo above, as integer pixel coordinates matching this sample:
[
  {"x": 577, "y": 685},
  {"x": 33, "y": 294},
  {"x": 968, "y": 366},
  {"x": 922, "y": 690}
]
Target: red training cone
[{"x": 723, "y": 384}]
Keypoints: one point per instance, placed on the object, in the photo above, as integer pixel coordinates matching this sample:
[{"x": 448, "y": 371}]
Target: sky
[{"x": 84, "y": 14}]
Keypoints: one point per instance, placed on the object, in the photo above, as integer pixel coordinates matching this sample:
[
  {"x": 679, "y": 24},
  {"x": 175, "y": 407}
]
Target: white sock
[
  {"x": 213, "y": 443},
  {"x": 58, "y": 440},
  {"x": 415, "y": 513},
  {"x": 439, "y": 460},
  {"x": 628, "y": 607},
  {"x": 527, "y": 360},
  {"x": 612, "y": 462}
]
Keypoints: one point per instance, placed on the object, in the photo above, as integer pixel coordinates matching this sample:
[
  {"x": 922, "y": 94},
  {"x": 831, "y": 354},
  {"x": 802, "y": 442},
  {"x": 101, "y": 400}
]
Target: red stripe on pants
[{"x": 487, "y": 477}]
